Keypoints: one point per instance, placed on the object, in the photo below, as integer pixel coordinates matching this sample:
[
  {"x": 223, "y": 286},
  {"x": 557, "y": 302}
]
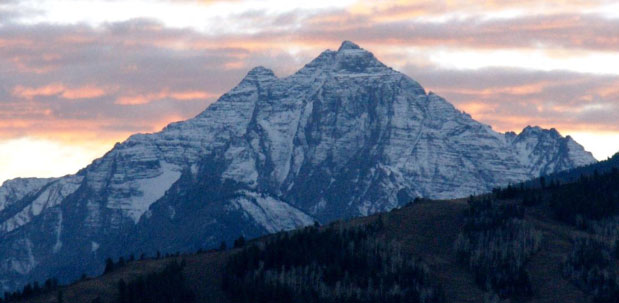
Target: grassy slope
[{"x": 427, "y": 229}]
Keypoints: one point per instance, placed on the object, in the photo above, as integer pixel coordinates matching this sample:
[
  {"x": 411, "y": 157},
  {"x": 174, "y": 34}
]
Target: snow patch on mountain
[
  {"x": 272, "y": 214},
  {"x": 145, "y": 192},
  {"x": 94, "y": 246},
  {"x": 52, "y": 195},
  {"x": 25, "y": 264},
  {"x": 242, "y": 166},
  {"x": 58, "y": 244},
  {"x": 14, "y": 190}
]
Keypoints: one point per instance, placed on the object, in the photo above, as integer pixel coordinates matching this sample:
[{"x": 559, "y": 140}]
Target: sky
[{"x": 77, "y": 76}]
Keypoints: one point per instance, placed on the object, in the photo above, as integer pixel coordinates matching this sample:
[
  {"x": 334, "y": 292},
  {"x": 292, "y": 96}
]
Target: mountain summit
[{"x": 344, "y": 136}]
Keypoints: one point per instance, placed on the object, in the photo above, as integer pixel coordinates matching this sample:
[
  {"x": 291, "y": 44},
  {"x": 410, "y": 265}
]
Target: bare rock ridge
[{"x": 344, "y": 136}]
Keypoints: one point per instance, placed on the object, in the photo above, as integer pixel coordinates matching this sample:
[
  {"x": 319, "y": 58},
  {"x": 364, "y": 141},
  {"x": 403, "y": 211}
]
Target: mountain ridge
[{"x": 344, "y": 136}]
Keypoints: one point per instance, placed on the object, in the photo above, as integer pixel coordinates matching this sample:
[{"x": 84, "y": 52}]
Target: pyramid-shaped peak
[
  {"x": 346, "y": 45},
  {"x": 260, "y": 74},
  {"x": 352, "y": 58},
  {"x": 349, "y": 58},
  {"x": 261, "y": 71}
]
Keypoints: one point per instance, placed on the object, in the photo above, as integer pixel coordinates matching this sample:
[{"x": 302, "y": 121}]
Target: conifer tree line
[
  {"x": 111, "y": 266},
  {"x": 30, "y": 290},
  {"x": 495, "y": 243},
  {"x": 166, "y": 286},
  {"x": 572, "y": 175},
  {"x": 593, "y": 197},
  {"x": 590, "y": 197},
  {"x": 51, "y": 284},
  {"x": 333, "y": 264}
]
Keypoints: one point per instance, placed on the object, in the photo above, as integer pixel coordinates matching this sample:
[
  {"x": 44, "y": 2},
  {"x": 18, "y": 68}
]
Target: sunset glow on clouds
[{"x": 77, "y": 76}]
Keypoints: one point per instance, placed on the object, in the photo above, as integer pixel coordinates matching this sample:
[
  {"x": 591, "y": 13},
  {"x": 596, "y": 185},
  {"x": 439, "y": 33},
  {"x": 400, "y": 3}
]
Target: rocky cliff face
[{"x": 344, "y": 136}]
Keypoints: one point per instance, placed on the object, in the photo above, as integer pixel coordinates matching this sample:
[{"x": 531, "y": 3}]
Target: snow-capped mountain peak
[
  {"x": 260, "y": 73},
  {"x": 348, "y": 45},
  {"x": 344, "y": 136}
]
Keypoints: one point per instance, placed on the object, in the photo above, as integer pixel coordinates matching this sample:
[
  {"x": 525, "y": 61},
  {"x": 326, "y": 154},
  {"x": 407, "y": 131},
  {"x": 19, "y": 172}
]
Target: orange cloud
[
  {"x": 477, "y": 108},
  {"x": 191, "y": 95},
  {"x": 15, "y": 42},
  {"x": 133, "y": 100},
  {"x": 86, "y": 92},
  {"x": 30, "y": 92},
  {"x": 519, "y": 90},
  {"x": 140, "y": 99},
  {"x": 69, "y": 131},
  {"x": 609, "y": 91},
  {"x": 234, "y": 65}
]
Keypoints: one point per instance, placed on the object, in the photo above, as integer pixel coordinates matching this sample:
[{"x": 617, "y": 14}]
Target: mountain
[
  {"x": 499, "y": 247},
  {"x": 344, "y": 136}
]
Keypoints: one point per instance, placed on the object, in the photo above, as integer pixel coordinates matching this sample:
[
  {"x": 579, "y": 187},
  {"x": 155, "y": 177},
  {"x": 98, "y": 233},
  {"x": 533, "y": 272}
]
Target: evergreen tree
[
  {"x": 239, "y": 242},
  {"x": 122, "y": 291},
  {"x": 27, "y": 291},
  {"x": 167, "y": 286},
  {"x": 109, "y": 266},
  {"x": 121, "y": 262}
]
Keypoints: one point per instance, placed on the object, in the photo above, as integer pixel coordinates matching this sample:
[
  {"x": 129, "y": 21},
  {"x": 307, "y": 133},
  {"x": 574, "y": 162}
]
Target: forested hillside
[
  {"x": 335, "y": 264},
  {"x": 589, "y": 204},
  {"x": 572, "y": 175}
]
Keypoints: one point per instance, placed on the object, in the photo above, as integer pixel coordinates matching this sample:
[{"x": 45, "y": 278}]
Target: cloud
[
  {"x": 85, "y": 92},
  {"x": 179, "y": 96},
  {"x": 45, "y": 69},
  {"x": 133, "y": 70},
  {"x": 509, "y": 99},
  {"x": 567, "y": 31},
  {"x": 86, "y": 82}
]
